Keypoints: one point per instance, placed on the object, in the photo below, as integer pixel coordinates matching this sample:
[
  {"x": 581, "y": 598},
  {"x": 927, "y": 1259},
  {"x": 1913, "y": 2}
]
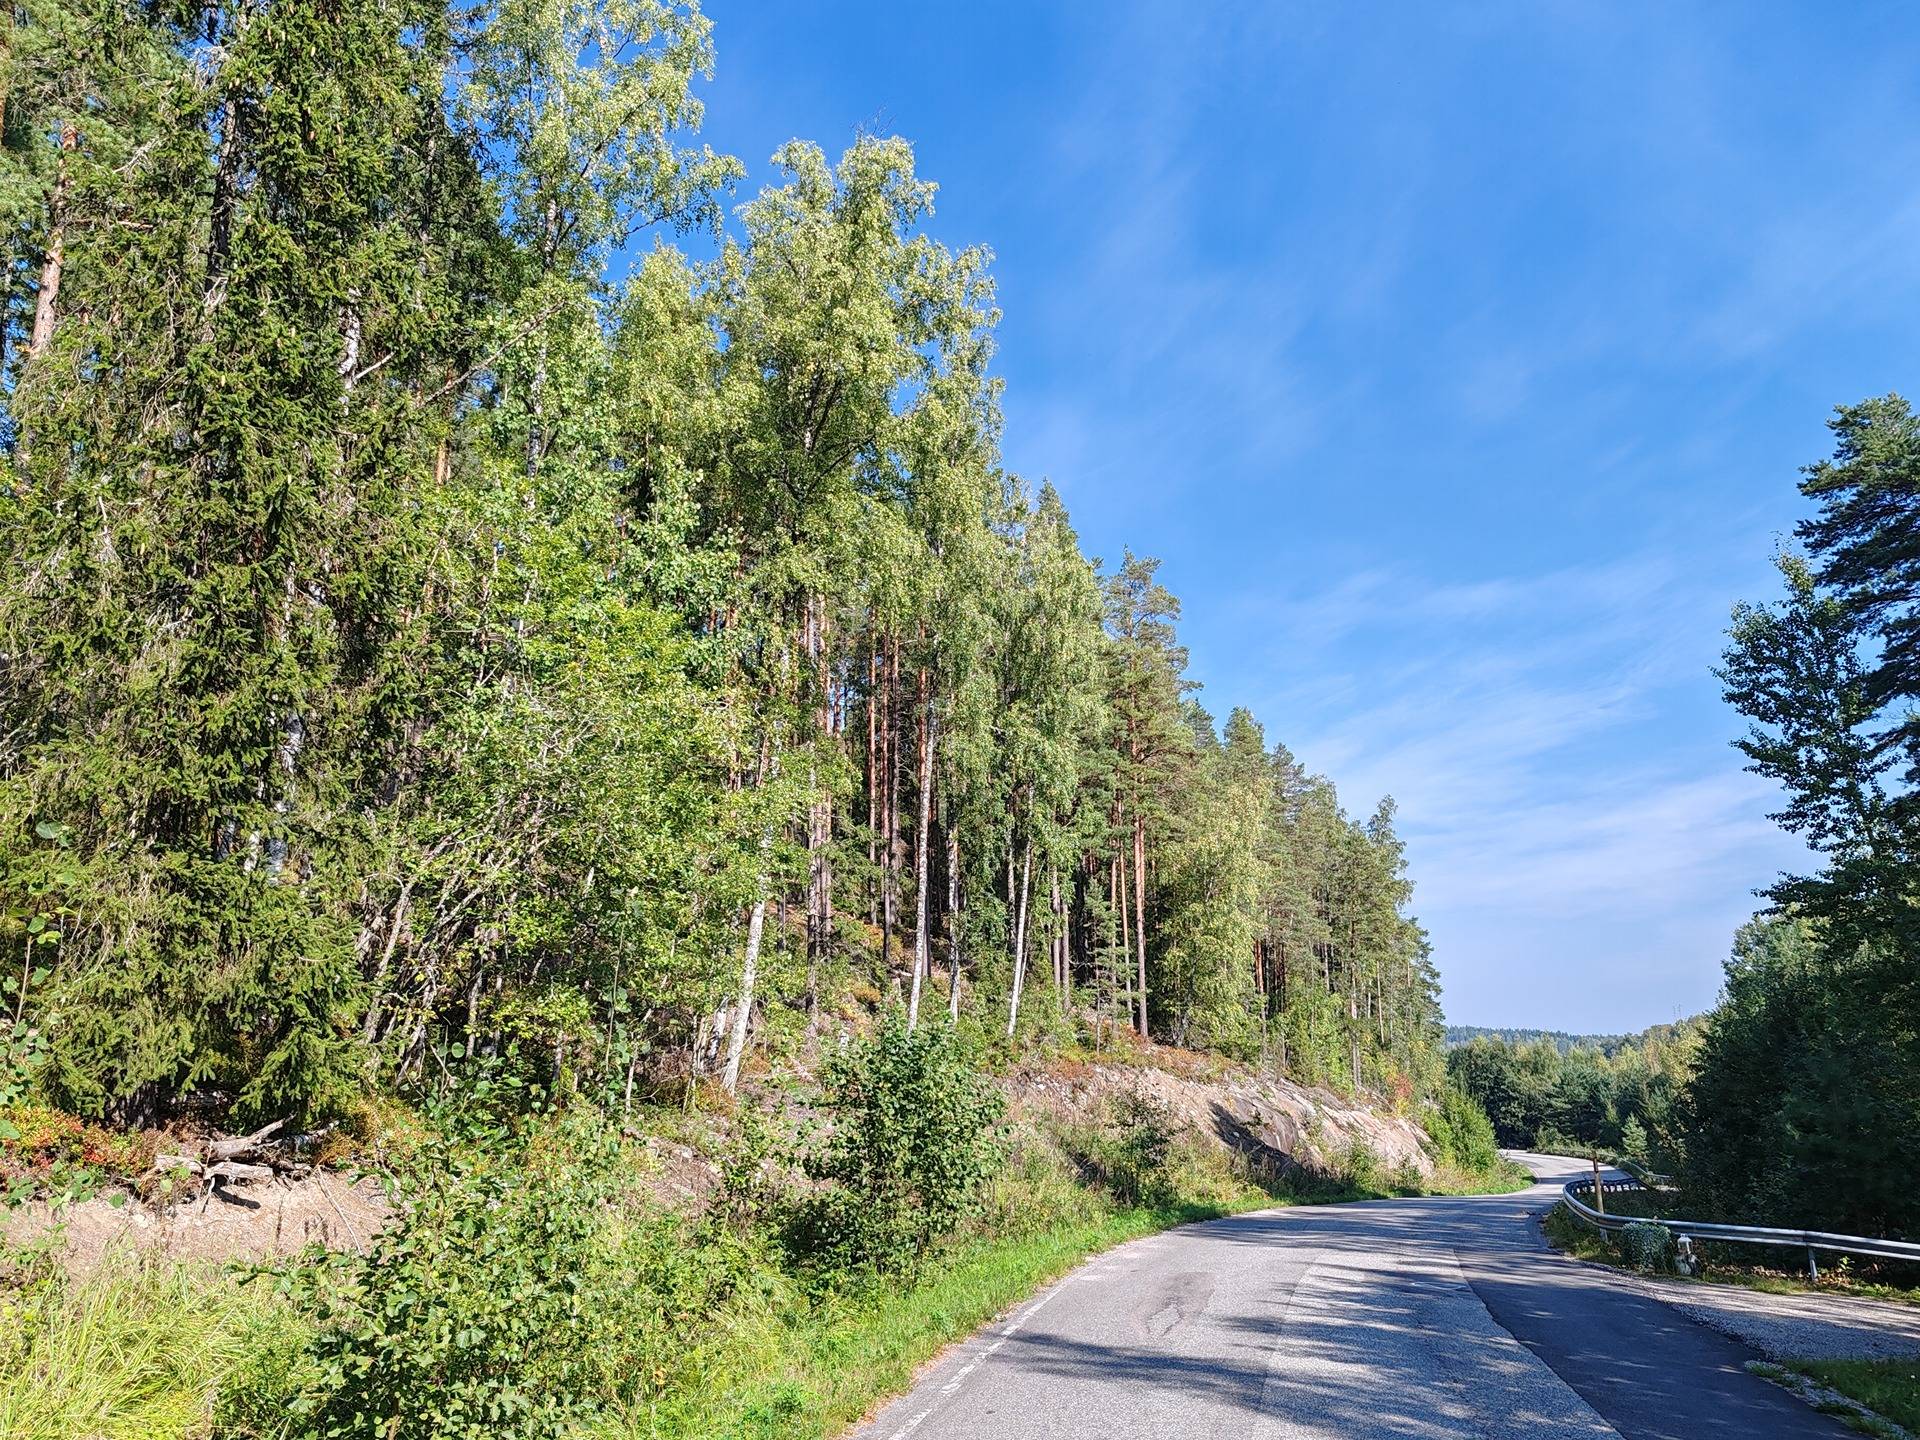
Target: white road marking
[{"x": 959, "y": 1377}]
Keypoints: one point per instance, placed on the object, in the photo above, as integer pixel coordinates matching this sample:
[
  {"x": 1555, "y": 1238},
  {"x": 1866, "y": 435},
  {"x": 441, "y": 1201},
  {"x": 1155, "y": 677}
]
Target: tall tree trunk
[
  {"x": 1020, "y": 940},
  {"x": 890, "y": 832},
  {"x": 922, "y": 955},
  {"x": 54, "y": 262},
  {"x": 873, "y": 778},
  {"x": 1280, "y": 997},
  {"x": 819, "y": 814},
  {"x": 1058, "y": 944},
  {"x": 749, "y": 972},
  {"x": 1126, "y": 931},
  {"x": 756, "y": 930},
  {"x": 1140, "y": 911},
  {"x": 953, "y": 916}
]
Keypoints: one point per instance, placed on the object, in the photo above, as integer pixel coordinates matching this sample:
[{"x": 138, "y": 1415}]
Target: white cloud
[{"x": 1551, "y": 829}]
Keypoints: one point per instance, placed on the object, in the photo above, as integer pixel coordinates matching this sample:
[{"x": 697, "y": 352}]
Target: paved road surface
[{"x": 1401, "y": 1318}]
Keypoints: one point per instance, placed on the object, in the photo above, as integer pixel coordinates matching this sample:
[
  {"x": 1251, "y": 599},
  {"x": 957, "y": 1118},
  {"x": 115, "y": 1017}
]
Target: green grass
[
  {"x": 814, "y": 1371},
  {"x": 141, "y": 1349},
  {"x": 1581, "y": 1241},
  {"x": 809, "y": 1372},
  {"x": 164, "y": 1351},
  {"x": 1886, "y": 1387},
  {"x": 1506, "y": 1178}
]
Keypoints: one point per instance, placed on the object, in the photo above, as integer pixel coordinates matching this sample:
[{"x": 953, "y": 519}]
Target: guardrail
[
  {"x": 1647, "y": 1178},
  {"x": 1687, "y": 1231}
]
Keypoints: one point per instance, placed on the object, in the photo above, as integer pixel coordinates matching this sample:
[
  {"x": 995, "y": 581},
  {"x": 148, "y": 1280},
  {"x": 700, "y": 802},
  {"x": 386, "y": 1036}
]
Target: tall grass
[{"x": 140, "y": 1349}]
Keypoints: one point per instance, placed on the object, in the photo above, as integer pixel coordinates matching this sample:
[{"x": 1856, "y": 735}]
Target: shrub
[
  {"x": 1360, "y": 1167},
  {"x": 914, "y": 1135},
  {"x": 1461, "y": 1132},
  {"x": 1647, "y": 1247},
  {"x": 516, "y": 1291},
  {"x": 1138, "y": 1135}
]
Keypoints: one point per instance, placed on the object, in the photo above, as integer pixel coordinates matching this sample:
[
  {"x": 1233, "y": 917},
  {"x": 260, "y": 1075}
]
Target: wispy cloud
[{"x": 1516, "y": 719}]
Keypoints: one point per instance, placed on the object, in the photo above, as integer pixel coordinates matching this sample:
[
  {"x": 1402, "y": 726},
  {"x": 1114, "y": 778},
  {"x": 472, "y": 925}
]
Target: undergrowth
[{"x": 532, "y": 1286}]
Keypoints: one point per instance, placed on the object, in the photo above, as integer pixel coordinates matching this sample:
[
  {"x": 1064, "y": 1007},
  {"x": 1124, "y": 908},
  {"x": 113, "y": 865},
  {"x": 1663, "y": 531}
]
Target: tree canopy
[{"x": 443, "y": 605}]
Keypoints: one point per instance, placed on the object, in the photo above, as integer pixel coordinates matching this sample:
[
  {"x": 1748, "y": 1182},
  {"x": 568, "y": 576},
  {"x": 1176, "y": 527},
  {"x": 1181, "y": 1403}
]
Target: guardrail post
[
  {"x": 1813, "y": 1266},
  {"x": 1599, "y": 1190}
]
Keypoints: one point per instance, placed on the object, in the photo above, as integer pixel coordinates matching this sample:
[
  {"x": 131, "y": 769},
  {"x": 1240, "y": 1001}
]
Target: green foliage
[
  {"x": 1647, "y": 1247},
  {"x": 1889, "y": 1388},
  {"x": 1462, "y": 1134},
  {"x": 1359, "y": 1165},
  {"x": 135, "y": 1350},
  {"x": 913, "y": 1139},
  {"x": 1133, "y": 1147},
  {"x": 1539, "y": 1095},
  {"x": 1803, "y": 1109},
  {"x": 519, "y": 1289},
  {"x": 423, "y": 627}
]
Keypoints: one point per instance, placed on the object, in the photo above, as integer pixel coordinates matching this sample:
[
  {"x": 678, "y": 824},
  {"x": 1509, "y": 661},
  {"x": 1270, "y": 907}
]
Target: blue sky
[{"x": 1457, "y": 361}]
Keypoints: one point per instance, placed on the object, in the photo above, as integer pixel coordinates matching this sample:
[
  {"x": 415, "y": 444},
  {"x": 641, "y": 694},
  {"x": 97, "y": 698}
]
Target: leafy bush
[
  {"x": 1647, "y": 1247},
  {"x": 1462, "y": 1134},
  {"x": 913, "y": 1138},
  {"x": 1138, "y": 1145},
  {"x": 516, "y": 1291},
  {"x": 1359, "y": 1165}
]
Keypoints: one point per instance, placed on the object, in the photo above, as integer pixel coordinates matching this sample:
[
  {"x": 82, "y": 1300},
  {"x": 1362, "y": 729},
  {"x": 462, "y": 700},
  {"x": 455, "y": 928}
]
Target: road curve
[{"x": 1396, "y": 1318}]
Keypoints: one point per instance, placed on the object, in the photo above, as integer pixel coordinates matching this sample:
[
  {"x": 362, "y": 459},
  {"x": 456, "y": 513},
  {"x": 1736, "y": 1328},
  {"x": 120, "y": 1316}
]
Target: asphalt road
[{"x": 1397, "y": 1318}]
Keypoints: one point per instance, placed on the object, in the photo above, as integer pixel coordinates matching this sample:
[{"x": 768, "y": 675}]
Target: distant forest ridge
[{"x": 1609, "y": 1045}]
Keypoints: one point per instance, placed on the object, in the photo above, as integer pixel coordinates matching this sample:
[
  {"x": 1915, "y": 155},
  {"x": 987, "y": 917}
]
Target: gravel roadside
[{"x": 1795, "y": 1327}]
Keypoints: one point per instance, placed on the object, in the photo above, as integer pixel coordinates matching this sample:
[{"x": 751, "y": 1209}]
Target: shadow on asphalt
[{"x": 1648, "y": 1370}]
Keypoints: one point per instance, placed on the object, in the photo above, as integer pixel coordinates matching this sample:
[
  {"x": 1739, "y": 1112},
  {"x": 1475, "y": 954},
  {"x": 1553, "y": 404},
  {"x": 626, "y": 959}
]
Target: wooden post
[{"x": 1599, "y": 1190}]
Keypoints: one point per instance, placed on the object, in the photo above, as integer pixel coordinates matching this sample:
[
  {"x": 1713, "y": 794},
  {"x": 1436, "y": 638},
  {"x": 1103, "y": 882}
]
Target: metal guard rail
[{"x": 1808, "y": 1240}]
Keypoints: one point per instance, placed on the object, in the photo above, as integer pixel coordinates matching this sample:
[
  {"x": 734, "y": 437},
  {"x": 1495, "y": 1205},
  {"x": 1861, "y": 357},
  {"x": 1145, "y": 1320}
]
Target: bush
[
  {"x": 1137, "y": 1148},
  {"x": 1359, "y": 1165},
  {"x": 517, "y": 1291},
  {"x": 913, "y": 1138},
  {"x": 1461, "y": 1132},
  {"x": 1647, "y": 1247}
]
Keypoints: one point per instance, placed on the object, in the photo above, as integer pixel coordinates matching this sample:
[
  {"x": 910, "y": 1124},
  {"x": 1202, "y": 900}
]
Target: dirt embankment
[
  {"x": 252, "y": 1222},
  {"x": 1228, "y": 1106}
]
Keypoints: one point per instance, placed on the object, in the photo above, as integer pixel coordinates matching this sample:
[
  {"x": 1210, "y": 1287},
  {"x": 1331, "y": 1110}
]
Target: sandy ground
[{"x": 253, "y": 1222}]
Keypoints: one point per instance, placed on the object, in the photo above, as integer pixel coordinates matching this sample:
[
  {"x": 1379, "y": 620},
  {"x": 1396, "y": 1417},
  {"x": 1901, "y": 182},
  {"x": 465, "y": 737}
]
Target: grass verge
[
  {"x": 141, "y": 1349},
  {"x": 809, "y": 1374},
  {"x": 811, "y": 1371},
  {"x": 1890, "y": 1388}
]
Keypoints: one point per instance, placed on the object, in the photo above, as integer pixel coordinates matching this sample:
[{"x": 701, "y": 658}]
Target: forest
[
  {"x": 1622, "y": 1095},
  {"x": 1795, "y": 1101},
  {"x": 523, "y": 674},
  {"x": 1806, "y": 1098},
  {"x": 472, "y": 582}
]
